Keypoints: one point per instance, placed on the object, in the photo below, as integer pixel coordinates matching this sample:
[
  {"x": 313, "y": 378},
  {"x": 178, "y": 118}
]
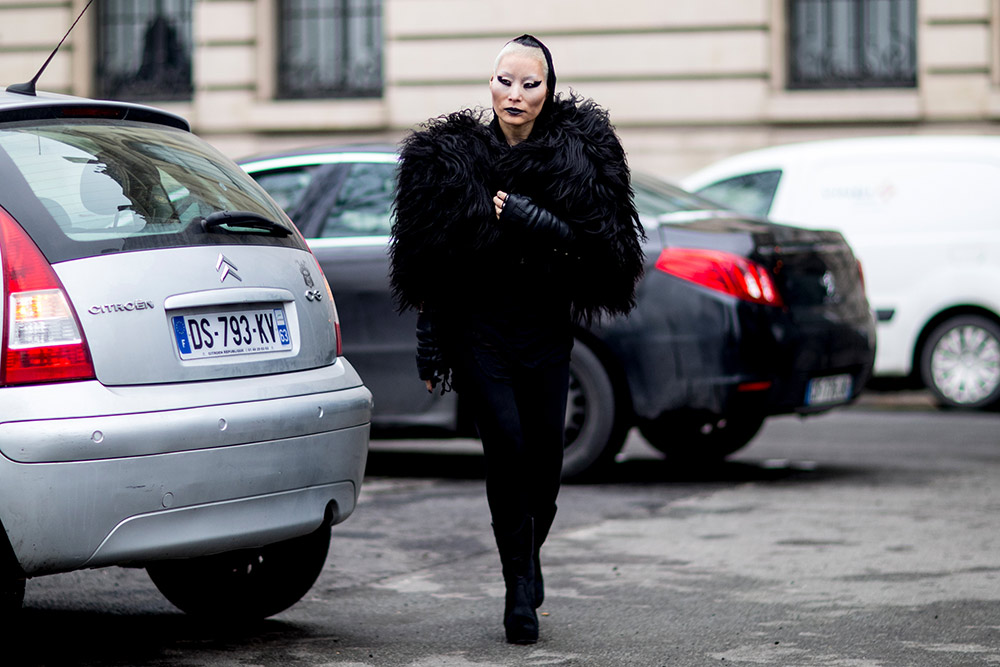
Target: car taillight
[
  {"x": 333, "y": 305},
  {"x": 722, "y": 271},
  {"x": 42, "y": 338}
]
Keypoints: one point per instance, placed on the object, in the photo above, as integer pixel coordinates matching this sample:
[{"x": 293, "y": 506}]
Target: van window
[
  {"x": 898, "y": 195},
  {"x": 747, "y": 193}
]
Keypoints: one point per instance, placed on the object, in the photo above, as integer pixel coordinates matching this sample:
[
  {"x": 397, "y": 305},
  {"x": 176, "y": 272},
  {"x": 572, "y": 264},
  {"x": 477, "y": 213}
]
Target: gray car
[
  {"x": 737, "y": 318},
  {"x": 173, "y": 395}
]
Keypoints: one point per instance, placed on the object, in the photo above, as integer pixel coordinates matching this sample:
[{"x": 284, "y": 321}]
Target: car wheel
[
  {"x": 700, "y": 438},
  {"x": 594, "y": 433},
  {"x": 244, "y": 585},
  {"x": 960, "y": 363},
  {"x": 11, "y": 597}
]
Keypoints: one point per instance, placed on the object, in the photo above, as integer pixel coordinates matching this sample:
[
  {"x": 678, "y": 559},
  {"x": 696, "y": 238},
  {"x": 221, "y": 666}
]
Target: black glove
[
  {"x": 430, "y": 359},
  {"x": 536, "y": 220}
]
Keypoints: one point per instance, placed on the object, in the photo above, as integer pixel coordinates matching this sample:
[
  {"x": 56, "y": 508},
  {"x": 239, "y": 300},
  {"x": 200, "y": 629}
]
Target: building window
[
  {"x": 329, "y": 48},
  {"x": 144, "y": 49},
  {"x": 852, "y": 43}
]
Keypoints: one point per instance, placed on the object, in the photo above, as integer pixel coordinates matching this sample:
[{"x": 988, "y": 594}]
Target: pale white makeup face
[{"x": 518, "y": 90}]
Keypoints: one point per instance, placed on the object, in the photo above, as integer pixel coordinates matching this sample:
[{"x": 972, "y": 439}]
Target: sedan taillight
[
  {"x": 723, "y": 271},
  {"x": 42, "y": 338}
]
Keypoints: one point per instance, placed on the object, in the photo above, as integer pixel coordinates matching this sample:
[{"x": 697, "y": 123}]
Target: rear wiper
[{"x": 243, "y": 220}]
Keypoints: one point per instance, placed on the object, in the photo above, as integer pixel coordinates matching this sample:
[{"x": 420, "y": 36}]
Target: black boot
[
  {"x": 517, "y": 559},
  {"x": 543, "y": 522}
]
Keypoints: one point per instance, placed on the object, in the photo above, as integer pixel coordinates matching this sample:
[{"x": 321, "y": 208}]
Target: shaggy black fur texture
[{"x": 573, "y": 165}]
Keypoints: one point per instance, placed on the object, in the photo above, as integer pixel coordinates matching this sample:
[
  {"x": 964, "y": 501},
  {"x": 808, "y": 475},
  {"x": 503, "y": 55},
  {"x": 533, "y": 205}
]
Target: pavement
[
  {"x": 863, "y": 537},
  {"x": 849, "y": 539}
]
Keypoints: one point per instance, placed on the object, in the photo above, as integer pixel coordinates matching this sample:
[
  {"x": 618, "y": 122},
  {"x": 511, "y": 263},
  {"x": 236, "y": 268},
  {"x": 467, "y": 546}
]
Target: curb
[{"x": 896, "y": 400}]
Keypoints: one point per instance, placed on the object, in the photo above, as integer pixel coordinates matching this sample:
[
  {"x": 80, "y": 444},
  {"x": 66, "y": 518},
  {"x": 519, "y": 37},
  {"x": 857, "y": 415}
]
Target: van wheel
[
  {"x": 244, "y": 585},
  {"x": 700, "y": 438},
  {"x": 594, "y": 429},
  {"x": 960, "y": 363}
]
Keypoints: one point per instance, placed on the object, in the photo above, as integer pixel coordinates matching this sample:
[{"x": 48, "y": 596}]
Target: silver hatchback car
[{"x": 173, "y": 395}]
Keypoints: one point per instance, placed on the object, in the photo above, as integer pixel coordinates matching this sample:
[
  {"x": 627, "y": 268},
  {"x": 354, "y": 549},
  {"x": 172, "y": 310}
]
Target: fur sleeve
[
  {"x": 598, "y": 201},
  {"x": 437, "y": 214}
]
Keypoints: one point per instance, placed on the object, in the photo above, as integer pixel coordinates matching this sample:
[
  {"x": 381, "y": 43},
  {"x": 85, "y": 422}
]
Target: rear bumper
[
  {"x": 690, "y": 349},
  {"x": 132, "y": 487}
]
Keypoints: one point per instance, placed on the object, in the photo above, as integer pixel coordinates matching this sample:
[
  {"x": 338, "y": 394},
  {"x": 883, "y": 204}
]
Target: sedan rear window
[
  {"x": 654, "y": 197},
  {"x": 287, "y": 186},
  {"x": 363, "y": 206},
  {"x": 83, "y": 188}
]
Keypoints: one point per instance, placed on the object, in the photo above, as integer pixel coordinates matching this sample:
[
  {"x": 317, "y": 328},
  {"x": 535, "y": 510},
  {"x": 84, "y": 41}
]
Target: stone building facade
[{"x": 686, "y": 82}]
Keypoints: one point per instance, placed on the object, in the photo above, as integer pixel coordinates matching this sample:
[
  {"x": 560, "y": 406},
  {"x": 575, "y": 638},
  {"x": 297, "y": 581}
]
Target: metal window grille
[
  {"x": 852, "y": 44},
  {"x": 330, "y": 48},
  {"x": 144, "y": 49}
]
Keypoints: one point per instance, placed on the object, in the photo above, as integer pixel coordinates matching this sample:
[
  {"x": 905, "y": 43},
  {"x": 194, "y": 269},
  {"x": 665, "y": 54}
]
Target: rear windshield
[
  {"x": 88, "y": 187},
  {"x": 747, "y": 193},
  {"x": 655, "y": 198}
]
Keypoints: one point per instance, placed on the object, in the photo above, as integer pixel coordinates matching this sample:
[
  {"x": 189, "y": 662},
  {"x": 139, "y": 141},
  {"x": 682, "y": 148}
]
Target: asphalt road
[{"x": 868, "y": 537}]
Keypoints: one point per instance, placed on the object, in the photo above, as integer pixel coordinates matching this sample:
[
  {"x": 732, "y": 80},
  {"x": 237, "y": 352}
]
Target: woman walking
[{"x": 512, "y": 227}]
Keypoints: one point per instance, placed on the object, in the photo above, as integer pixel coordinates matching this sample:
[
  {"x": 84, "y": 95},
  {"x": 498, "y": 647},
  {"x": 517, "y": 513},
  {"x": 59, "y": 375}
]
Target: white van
[{"x": 923, "y": 217}]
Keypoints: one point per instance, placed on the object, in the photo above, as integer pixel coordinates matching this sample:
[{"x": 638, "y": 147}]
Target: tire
[
  {"x": 700, "y": 438},
  {"x": 594, "y": 430},
  {"x": 960, "y": 362},
  {"x": 11, "y": 598},
  {"x": 244, "y": 585}
]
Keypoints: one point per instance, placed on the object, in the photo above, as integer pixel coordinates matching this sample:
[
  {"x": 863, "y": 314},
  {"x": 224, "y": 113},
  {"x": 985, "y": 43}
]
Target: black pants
[{"x": 520, "y": 415}]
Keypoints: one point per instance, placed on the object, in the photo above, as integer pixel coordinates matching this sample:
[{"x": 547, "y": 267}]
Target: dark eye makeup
[{"x": 506, "y": 82}]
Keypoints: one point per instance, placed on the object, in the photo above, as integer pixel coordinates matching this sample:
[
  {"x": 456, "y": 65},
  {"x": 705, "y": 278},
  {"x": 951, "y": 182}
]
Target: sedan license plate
[
  {"x": 230, "y": 333},
  {"x": 832, "y": 389}
]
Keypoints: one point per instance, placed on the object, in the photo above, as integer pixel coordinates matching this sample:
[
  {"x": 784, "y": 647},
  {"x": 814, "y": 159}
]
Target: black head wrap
[{"x": 550, "y": 81}]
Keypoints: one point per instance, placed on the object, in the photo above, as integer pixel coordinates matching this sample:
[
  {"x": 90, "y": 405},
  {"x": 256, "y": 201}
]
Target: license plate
[
  {"x": 832, "y": 389},
  {"x": 230, "y": 333}
]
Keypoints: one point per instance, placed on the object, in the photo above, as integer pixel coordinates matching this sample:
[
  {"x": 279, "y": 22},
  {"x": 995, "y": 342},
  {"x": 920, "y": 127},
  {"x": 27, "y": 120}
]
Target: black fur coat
[{"x": 448, "y": 246}]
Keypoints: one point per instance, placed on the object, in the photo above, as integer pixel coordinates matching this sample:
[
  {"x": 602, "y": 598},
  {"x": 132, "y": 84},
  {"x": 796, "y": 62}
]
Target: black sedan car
[{"x": 737, "y": 319}]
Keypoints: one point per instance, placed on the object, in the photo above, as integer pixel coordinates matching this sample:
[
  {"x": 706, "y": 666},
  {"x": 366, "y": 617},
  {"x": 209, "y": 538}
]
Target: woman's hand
[
  {"x": 498, "y": 201},
  {"x": 540, "y": 223},
  {"x": 431, "y": 365}
]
